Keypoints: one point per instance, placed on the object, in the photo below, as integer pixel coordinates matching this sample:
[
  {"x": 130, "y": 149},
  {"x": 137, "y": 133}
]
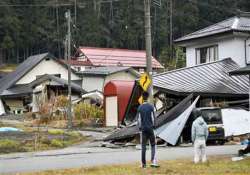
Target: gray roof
[
  {"x": 103, "y": 71},
  {"x": 58, "y": 80},
  {"x": 17, "y": 91},
  {"x": 240, "y": 24},
  {"x": 26, "y": 89},
  {"x": 209, "y": 78},
  {"x": 241, "y": 71},
  {"x": 11, "y": 78}
]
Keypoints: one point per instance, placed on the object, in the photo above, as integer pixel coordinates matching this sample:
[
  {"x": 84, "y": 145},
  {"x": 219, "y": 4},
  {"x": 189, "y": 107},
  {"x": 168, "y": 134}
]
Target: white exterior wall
[
  {"x": 46, "y": 67},
  {"x": 93, "y": 83},
  {"x": 248, "y": 50},
  {"x": 190, "y": 56},
  {"x": 233, "y": 48},
  {"x": 111, "y": 111},
  {"x": 120, "y": 76}
]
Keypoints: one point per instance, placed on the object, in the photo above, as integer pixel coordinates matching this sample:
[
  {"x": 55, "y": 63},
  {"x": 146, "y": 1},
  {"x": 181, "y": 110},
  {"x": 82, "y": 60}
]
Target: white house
[
  {"x": 227, "y": 39},
  {"x": 15, "y": 90},
  {"x": 96, "y": 78}
]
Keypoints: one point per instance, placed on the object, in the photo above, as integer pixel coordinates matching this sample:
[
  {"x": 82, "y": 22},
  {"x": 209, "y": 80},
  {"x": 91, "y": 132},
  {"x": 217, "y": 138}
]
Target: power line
[{"x": 34, "y": 5}]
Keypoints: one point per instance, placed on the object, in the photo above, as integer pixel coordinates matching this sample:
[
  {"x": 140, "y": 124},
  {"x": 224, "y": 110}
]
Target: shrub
[
  {"x": 57, "y": 143},
  {"x": 55, "y": 131},
  {"x": 7, "y": 146},
  {"x": 61, "y": 103},
  {"x": 73, "y": 134},
  {"x": 87, "y": 111},
  {"x": 45, "y": 141}
]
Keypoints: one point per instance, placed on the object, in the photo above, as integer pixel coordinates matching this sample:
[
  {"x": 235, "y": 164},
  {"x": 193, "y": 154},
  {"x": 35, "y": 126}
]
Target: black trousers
[{"x": 147, "y": 135}]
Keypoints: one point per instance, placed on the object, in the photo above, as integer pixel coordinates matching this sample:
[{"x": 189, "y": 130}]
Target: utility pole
[
  {"x": 147, "y": 4},
  {"x": 75, "y": 11},
  {"x": 57, "y": 30},
  {"x": 170, "y": 28},
  {"x": 68, "y": 17}
]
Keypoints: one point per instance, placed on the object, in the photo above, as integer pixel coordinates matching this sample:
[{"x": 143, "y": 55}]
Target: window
[
  {"x": 141, "y": 70},
  {"x": 212, "y": 116},
  {"x": 206, "y": 54}
]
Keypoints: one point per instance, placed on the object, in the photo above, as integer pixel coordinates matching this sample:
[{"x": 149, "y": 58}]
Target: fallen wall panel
[
  {"x": 133, "y": 130},
  {"x": 171, "y": 131}
]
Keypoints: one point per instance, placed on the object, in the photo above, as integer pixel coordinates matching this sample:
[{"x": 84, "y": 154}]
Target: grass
[
  {"x": 38, "y": 141},
  {"x": 216, "y": 165},
  {"x": 32, "y": 139},
  {"x": 7, "y": 146}
]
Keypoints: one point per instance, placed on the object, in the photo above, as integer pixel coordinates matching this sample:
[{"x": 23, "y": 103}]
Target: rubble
[{"x": 129, "y": 132}]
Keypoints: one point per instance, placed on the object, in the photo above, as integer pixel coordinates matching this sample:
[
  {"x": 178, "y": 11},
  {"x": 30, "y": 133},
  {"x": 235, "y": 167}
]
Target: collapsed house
[
  {"x": 210, "y": 81},
  {"x": 15, "y": 88},
  {"x": 47, "y": 87}
]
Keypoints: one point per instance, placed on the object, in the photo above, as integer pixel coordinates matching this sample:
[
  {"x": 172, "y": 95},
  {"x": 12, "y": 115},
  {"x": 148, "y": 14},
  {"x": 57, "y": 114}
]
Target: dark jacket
[{"x": 146, "y": 116}]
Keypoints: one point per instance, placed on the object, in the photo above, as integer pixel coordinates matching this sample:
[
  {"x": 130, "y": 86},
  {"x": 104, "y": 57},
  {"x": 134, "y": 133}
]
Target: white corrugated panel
[
  {"x": 236, "y": 121},
  {"x": 2, "y": 110},
  {"x": 171, "y": 131}
]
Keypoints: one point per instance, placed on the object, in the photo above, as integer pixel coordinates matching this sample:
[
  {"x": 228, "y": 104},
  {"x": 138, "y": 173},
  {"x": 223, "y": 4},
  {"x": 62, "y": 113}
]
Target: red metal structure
[{"x": 121, "y": 90}]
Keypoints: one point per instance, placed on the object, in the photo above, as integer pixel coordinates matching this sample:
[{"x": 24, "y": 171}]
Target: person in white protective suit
[{"x": 199, "y": 137}]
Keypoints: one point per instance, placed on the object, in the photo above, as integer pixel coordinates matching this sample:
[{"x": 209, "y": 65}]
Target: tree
[{"x": 29, "y": 29}]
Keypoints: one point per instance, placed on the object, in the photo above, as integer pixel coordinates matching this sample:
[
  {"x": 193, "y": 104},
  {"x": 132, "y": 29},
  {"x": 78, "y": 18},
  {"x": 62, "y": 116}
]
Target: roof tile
[{"x": 114, "y": 57}]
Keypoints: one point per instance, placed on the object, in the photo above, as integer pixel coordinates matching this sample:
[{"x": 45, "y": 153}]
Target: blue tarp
[{"x": 7, "y": 129}]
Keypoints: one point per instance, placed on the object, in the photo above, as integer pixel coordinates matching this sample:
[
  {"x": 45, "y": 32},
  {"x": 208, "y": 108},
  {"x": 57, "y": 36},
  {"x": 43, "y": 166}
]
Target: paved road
[{"x": 77, "y": 157}]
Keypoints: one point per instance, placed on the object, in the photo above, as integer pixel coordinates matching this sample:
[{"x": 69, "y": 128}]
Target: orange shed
[{"x": 116, "y": 97}]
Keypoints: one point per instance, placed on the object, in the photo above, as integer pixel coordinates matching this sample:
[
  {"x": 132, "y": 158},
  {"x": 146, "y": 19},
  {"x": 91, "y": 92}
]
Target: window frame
[{"x": 215, "y": 53}]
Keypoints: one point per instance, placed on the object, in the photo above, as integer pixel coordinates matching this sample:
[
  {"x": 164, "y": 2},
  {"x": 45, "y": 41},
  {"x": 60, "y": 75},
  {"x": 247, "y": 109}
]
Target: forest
[{"x": 29, "y": 27}]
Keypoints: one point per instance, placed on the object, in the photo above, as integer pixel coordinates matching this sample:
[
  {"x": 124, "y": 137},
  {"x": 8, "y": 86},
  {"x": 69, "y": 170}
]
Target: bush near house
[
  {"x": 87, "y": 113},
  {"x": 54, "y": 114},
  {"x": 61, "y": 104},
  {"x": 8, "y": 146}
]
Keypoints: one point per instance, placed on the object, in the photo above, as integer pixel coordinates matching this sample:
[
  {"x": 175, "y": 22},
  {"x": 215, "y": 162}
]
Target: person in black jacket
[{"x": 146, "y": 122}]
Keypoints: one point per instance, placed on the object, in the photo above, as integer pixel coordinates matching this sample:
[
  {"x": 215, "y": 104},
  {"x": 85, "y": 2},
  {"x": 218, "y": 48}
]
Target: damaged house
[
  {"x": 15, "y": 88},
  {"x": 211, "y": 53},
  {"x": 47, "y": 87},
  {"x": 210, "y": 82}
]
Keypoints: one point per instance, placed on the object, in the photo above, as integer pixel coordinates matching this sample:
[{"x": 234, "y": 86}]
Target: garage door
[{"x": 111, "y": 111}]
